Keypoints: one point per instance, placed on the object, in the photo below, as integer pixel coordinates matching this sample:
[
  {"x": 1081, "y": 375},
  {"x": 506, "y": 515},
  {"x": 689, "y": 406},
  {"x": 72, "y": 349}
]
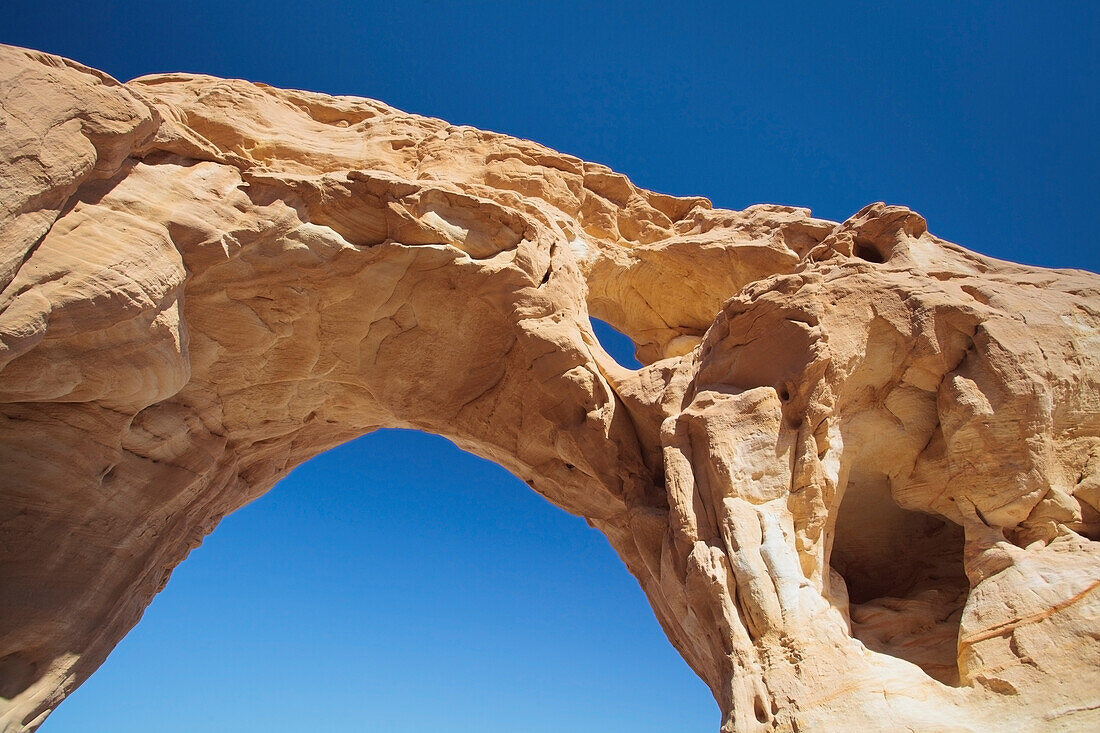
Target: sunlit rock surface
[{"x": 858, "y": 477}]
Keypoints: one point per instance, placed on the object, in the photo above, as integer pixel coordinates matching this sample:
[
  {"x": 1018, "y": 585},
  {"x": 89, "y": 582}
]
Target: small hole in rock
[
  {"x": 867, "y": 251},
  {"x": 759, "y": 710}
]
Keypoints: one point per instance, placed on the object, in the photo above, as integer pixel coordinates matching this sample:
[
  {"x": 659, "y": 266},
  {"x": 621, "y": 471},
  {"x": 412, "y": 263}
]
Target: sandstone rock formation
[{"x": 858, "y": 477}]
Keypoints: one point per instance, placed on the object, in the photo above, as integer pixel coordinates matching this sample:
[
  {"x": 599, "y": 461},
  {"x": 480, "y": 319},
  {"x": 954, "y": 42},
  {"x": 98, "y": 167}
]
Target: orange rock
[{"x": 858, "y": 477}]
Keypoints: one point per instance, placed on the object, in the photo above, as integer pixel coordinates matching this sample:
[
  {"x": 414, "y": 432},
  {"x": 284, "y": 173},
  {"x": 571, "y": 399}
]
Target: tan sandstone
[{"x": 858, "y": 477}]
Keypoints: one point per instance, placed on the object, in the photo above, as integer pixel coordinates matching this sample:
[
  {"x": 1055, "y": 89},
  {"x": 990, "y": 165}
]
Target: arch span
[{"x": 206, "y": 282}]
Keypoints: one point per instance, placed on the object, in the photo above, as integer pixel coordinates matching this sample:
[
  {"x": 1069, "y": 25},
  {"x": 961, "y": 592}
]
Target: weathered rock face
[{"x": 858, "y": 477}]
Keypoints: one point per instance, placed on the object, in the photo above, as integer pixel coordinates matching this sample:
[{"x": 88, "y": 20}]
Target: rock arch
[{"x": 204, "y": 282}]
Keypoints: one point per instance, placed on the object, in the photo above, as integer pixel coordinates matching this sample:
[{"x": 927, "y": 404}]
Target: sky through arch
[{"x": 395, "y": 583}]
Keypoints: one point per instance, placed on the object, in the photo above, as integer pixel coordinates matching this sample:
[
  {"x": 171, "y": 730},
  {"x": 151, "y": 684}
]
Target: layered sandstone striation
[{"x": 858, "y": 475}]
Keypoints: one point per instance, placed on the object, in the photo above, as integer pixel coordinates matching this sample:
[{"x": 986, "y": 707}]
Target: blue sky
[{"x": 396, "y": 584}]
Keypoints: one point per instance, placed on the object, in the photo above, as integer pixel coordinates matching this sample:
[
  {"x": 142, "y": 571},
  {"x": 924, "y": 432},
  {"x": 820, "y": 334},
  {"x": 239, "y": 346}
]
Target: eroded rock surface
[{"x": 858, "y": 477}]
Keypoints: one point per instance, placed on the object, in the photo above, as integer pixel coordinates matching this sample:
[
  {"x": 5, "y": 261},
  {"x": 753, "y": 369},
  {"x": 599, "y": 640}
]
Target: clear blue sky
[{"x": 396, "y": 584}]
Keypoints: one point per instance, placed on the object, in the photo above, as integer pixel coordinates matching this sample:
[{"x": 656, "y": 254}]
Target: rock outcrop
[{"x": 858, "y": 475}]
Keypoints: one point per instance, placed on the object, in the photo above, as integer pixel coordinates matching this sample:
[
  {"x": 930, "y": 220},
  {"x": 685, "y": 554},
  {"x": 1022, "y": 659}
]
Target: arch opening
[
  {"x": 616, "y": 343},
  {"x": 399, "y": 580}
]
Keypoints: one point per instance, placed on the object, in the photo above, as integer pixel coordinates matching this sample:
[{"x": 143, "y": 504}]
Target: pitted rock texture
[{"x": 858, "y": 475}]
